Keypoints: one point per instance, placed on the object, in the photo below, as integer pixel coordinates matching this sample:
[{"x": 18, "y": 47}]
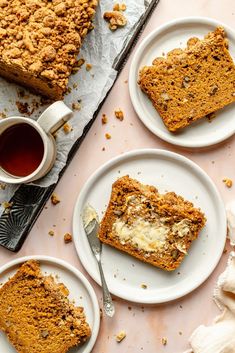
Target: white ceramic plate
[
  {"x": 80, "y": 291},
  {"x": 165, "y": 38},
  {"x": 125, "y": 274}
]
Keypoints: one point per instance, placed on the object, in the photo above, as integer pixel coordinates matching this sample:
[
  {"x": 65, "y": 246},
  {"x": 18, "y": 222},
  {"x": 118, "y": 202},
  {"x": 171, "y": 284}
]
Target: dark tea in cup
[
  {"x": 21, "y": 150},
  {"x": 28, "y": 147}
]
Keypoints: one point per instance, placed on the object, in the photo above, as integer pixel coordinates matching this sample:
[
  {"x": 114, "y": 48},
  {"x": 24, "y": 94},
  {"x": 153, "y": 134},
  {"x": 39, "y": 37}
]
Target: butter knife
[{"x": 91, "y": 227}]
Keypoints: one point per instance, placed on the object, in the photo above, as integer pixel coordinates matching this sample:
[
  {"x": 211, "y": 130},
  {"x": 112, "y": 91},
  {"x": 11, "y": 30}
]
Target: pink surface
[{"x": 145, "y": 326}]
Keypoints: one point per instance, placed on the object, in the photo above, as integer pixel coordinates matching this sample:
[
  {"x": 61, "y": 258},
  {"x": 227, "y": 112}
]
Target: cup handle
[{"x": 54, "y": 117}]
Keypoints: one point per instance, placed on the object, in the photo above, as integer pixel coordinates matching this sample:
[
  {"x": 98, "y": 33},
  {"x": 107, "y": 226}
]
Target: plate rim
[
  {"x": 78, "y": 274},
  {"x": 133, "y": 87},
  {"x": 135, "y": 153}
]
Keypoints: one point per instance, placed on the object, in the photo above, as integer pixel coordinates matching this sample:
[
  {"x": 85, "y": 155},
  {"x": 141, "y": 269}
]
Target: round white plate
[
  {"x": 165, "y": 38},
  {"x": 80, "y": 291},
  {"x": 168, "y": 172}
]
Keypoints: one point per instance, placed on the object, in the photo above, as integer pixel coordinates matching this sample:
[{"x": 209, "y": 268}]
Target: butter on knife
[{"x": 89, "y": 213}]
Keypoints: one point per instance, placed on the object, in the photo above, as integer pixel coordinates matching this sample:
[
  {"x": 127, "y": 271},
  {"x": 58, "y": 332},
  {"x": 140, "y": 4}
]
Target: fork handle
[{"x": 107, "y": 299}]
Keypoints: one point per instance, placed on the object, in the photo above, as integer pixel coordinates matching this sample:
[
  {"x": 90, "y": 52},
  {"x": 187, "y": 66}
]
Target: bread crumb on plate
[{"x": 144, "y": 286}]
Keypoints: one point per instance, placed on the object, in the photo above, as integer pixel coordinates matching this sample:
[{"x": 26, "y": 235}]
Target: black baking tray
[{"x": 28, "y": 200}]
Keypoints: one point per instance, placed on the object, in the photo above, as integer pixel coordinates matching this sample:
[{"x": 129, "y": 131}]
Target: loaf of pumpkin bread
[{"x": 40, "y": 41}]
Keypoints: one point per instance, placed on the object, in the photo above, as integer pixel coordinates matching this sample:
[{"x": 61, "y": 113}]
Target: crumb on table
[
  {"x": 119, "y": 114},
  {"x": 116, "y": 19},
  {"x": 144, "y": 286},
  {"x": 68, "y": 238},
  {"x": 164, "y": 341},
  {"x": 120, "y": 336},
  {"x": 228, "y": 182},
  {"x": 55, "y": 199},
  {"x": 104, "y": 119},
  {"x": 108, "y": 136},
  {"x": 51, "y": 233}
]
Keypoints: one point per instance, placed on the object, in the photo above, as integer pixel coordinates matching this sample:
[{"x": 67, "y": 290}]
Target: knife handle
[{"x": 107, "y": 299}]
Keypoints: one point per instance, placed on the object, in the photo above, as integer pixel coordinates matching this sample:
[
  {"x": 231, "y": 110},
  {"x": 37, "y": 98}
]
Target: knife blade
[{"x": 91, "y": 227}]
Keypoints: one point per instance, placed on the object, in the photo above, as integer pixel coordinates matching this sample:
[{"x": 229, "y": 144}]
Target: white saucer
[
  {"x": 80, "y": 291},
  {"x": 125, "y": 274},
  {"x": 165, "y": 38}
]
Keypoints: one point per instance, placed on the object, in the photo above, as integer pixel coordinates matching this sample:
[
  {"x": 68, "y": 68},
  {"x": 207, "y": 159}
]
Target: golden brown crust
[
  {"x": 40, "y": 40},
  {"x": 169, "y": 208},
  {"x": 36, "y": 314},
  {"x": 189, "y": 84}
]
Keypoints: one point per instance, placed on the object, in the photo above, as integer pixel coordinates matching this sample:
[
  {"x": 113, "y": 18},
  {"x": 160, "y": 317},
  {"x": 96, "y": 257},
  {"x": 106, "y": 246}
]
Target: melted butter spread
[
  {"x": 181, "y": 228},
  {"x": 145, "y": 235}
]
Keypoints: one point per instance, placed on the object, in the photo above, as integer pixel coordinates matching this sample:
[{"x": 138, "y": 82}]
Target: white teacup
[{"x": 50, "y": 120}]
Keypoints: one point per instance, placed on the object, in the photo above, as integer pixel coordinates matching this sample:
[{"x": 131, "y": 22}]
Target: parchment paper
[{"x": 100, "y": 48}]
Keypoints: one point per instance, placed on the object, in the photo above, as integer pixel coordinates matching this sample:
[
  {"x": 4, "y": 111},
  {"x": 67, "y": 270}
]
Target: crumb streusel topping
[{"x": 43, "y": 37}]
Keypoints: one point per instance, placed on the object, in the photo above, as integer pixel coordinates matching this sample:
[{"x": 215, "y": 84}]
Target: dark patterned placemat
[{"x": 29, "y": 200}]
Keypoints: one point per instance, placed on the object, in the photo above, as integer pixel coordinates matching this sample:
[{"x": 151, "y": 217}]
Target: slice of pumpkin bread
[
  {"x": 153, "y": 227},
  {"x": 189, "y": 84},
  {"x": 36, "y": 315}
]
